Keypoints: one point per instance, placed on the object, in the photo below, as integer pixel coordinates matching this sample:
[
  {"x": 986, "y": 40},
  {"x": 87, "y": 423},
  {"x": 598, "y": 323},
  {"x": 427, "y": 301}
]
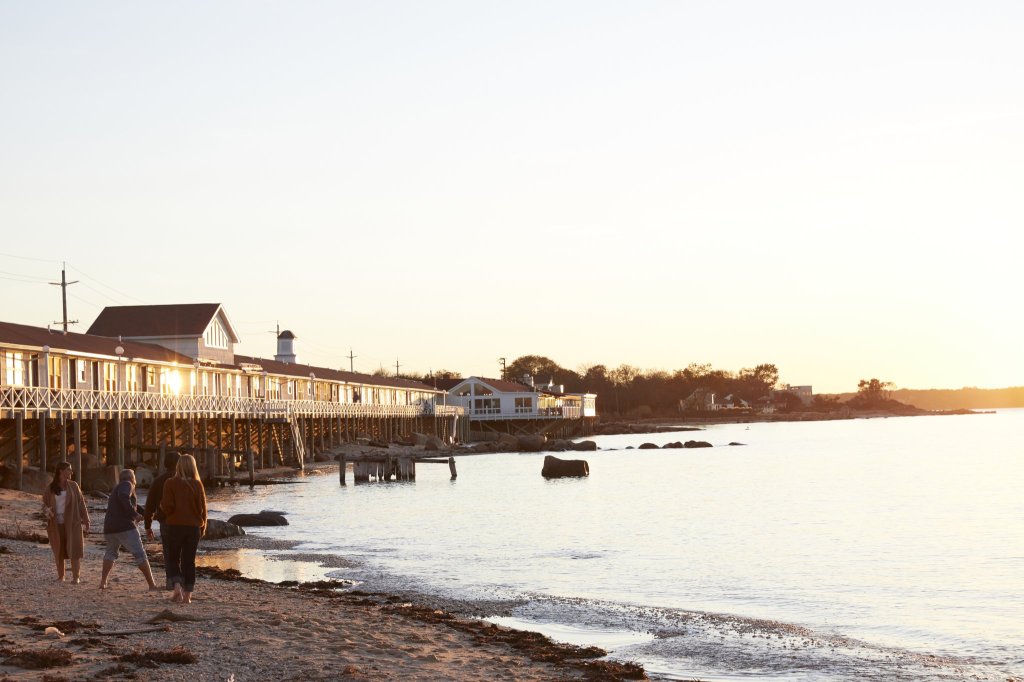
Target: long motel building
[{"x": 148, "y": 376}]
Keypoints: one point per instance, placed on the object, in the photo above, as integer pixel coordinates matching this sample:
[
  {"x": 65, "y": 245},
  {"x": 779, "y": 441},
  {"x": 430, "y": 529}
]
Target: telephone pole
[
  {"x": 351, "y": 366},
  {"x": 502, "y": 361},
  {"x": 63, "y": 284},
  {"x": 396, "y": 367}
]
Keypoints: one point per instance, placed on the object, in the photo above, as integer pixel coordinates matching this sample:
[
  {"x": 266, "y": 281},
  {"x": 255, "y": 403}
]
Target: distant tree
[
  {"x": 542, "y": 369},
  {"x": 757, "y": 382},
  {"x": 872, "y": 393},
  {"x": 785, "y": 401},
  {"x": 825, "y": 403}
]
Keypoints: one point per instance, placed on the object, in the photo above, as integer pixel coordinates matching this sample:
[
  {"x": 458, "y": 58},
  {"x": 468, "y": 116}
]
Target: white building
[{"x": 493, "y": 399}]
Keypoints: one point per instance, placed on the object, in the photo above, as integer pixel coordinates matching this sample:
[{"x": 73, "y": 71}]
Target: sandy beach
[{"x": 241, "y": 629}]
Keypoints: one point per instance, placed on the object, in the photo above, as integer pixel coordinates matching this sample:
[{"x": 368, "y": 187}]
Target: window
[
  {"x": 83, "y": 372},
  {"x": 54, "y": 367},
  {"x": 14, "y": 369},
  {"x": 131, "y": 378},
  {"x": 487, "y": 405},
  {"x": 215, "y": 336},
  {"x": 109, "y": 376},
  {"x": 524, "y": 405},
  {"x": 170, "y": 381},
  {"x": 150, "y": 379}
]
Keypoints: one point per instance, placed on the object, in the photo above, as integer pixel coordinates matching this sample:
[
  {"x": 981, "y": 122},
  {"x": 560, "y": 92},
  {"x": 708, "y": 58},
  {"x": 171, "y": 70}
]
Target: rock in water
[
  {"x": 261, "y": 519},
  {"x": 560, "y": 468}
]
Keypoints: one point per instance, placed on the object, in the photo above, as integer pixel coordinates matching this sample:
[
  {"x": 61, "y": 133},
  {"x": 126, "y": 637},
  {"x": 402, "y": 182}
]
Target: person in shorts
[{"x": 120, "y": 530}]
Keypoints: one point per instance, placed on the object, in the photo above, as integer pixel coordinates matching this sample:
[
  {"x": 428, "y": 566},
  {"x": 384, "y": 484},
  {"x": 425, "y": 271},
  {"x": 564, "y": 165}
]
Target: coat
[{"x": 76, "y": 515}]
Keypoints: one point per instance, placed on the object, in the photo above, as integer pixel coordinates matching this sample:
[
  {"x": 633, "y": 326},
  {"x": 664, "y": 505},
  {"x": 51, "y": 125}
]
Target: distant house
[
  {"x": 805, "y": 393},
  {"x": 497, "y": 399}
]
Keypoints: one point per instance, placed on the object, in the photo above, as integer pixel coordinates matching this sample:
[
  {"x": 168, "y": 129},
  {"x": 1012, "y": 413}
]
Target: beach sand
[{"x": 243, "y": 629}]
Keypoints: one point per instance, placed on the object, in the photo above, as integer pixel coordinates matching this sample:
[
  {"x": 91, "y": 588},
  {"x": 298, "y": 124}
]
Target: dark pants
[
  {"x": 167, "y": 564},
  {"x": 180, "y": 545}
]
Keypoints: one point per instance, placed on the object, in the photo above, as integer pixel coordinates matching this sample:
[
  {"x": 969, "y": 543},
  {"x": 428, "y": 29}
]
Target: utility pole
[
  {"x": 396, "y": 367},
  {"x": 351, "y": 366},
  {"x": 502, "y": 361},
  {"x": 63, "y": 284}
]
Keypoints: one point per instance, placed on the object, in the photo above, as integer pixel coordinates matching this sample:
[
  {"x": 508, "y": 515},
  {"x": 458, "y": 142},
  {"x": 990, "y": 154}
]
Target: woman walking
[
  {"x": 184, "y": 507},
  {"x": 67, "y": 521}
]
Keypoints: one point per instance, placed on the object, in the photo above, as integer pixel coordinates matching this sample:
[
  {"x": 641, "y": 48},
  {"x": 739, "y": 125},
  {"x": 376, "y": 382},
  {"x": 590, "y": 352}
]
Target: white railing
[
  {"x": 487, "y": 414},
  {"x": 24, "y": 399}
]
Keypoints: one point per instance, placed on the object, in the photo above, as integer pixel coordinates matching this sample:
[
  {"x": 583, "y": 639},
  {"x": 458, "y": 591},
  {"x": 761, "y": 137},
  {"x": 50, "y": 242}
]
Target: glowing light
[{"x": 174, "y": 382}]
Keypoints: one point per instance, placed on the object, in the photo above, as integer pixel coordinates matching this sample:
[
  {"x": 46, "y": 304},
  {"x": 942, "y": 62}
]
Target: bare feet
[
  {"x": 103, "y": 586},
  {"x": 76, "y": 580},
  {"x": 188, "y": 598},
  {"x": 179, "y": 594},
  {"x": 154, "y": 588}
]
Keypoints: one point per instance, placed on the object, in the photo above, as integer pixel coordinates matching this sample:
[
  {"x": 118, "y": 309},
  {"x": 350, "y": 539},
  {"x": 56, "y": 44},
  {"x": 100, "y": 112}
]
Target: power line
[
  {"x": 39, "y": 260},
  {"x": 85, "y": 274}
]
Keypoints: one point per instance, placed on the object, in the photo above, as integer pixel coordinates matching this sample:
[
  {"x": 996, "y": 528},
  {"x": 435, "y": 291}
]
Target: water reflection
[{"x": 273, "y": 567}]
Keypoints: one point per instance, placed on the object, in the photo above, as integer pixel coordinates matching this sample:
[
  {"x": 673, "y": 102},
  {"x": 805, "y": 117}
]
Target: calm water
[{"x": 862, "y": 549}]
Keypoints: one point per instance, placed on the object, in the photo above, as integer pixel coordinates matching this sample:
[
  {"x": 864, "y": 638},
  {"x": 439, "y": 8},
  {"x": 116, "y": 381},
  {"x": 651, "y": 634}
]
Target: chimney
[
  {"x": 285, "y": 347},
  {"x": 528, "y": 380}
]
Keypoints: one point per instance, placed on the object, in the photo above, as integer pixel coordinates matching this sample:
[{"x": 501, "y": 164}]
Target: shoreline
[{"x": 245, "y": 627}]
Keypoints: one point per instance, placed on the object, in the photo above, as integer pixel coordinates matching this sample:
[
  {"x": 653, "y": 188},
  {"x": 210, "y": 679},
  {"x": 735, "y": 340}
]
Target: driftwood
[{"x": 135, "y": 631}]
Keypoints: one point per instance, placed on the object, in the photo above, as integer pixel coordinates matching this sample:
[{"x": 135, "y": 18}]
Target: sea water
[{"x": 853, "y": 549}]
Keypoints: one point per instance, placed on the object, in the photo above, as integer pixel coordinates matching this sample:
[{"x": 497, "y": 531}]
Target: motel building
[{"x": 144, "y": 379}]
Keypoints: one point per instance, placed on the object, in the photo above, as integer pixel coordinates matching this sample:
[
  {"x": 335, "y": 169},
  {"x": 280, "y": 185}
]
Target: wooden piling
[
  {"x": 251, "y": 462},
  {"x": 76, "y": 462},
  {"x": 342, "y": 465},
  {"x": 19, "y": 450},
  {"x": 41, "y": 446},
  {"x": 451, "y": 467}
]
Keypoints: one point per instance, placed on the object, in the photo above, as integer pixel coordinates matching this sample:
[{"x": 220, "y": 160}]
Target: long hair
[
  {"x": 55, "y": 483},
  {"x": 187, "y": 468}
]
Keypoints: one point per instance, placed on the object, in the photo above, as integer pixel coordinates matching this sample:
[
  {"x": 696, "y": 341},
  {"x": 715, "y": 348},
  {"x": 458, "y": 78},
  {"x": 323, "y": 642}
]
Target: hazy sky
[{"x": 836, "y": 188}]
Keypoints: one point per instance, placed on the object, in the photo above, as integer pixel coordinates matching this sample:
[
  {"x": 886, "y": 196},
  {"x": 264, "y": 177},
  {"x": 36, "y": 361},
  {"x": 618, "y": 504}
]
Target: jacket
[
  {"x": 76, "y": 516},
  {"x": 121, "y": 509},
  {"x": 184, "y": 503},
  {"x": 156, "y": 493}
]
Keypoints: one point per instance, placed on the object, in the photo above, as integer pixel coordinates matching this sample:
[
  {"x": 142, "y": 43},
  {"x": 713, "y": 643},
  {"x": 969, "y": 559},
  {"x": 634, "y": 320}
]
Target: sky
[{"x": 835, "y": 188}]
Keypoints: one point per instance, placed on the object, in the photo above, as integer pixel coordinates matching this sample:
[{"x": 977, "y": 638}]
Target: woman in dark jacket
[{"x": 184, "y": 507}]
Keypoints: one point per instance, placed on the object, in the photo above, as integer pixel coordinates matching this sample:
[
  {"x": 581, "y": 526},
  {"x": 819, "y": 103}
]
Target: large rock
[
  {"x": 102, "y": 478},
  {"x": 648, "y": 446},
  {"x": 144, "y": 476},
  {"x": 697, "y": 444},
  {"x": 33, "y": 480},
  {"x": 584, "y": 446},
  {"x": 261, "y": 519},
  {"x": 532, "y": 443},
  {"x": 558, "y": 445},
  {"x": 561, "y": 468},
  {"x": 217, "y": 530},
  {"x": 675, "y": 444}
]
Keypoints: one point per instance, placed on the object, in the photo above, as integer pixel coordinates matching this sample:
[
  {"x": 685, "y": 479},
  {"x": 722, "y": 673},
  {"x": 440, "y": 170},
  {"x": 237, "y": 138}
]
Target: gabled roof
[
  {"x": 37, "y": 337},
  {"x": 497, "y": 384},
  {"x": 180, "y": 319},
  {"x": 327, "y": 374}
]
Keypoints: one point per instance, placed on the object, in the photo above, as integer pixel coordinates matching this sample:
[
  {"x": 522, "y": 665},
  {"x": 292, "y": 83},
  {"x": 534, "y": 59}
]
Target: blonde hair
[{"x": 187, "y": 468}]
